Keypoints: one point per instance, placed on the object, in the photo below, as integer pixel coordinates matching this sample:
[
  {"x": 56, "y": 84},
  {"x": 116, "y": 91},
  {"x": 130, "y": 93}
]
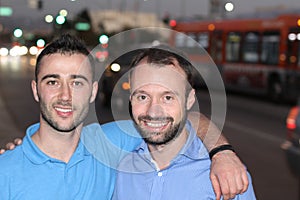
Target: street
[{"x": 254, "y": 126}]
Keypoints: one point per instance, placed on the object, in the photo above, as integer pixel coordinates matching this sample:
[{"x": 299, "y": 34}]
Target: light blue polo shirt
[
  {"x": 187, "y": 176},
  {"x": 27, "y": 173}
]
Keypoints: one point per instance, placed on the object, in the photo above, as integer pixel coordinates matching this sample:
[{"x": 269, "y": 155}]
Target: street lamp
[{"x": 229, "y": 7}]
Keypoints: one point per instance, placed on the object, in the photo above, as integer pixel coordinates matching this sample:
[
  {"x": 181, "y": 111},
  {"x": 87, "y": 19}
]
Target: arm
[{"x": 228, "y": 174}]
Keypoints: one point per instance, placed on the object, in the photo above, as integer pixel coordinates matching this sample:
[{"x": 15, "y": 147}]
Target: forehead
[
  {"x": 65, "y": 63},
  {"x": 168, "y": 76}
]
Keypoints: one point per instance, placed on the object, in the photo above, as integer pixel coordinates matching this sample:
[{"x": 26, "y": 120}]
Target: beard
[
  {"x": 160, "y": 138},
  {"x": 50, "y": 119}
]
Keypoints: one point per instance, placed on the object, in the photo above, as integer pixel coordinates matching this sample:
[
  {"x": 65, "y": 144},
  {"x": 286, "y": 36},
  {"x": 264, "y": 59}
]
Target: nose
[
  {"x": 65, "y": 92},
  {"x": 155, "y": 109}
]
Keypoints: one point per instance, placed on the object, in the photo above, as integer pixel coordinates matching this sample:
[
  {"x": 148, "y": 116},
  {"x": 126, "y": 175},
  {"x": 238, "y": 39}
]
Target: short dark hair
[
  {"x": 165, "y": 55},
  {"x": 65, "y": 44}
]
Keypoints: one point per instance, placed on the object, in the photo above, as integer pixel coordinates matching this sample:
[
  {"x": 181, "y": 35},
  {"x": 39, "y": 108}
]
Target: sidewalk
[{"x": 8, "y": 128}]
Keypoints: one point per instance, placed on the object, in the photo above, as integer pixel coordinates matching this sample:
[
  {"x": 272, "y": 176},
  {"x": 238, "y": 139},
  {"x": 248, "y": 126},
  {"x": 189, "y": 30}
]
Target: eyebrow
[
  {"x": 164, "y": 93},
  {"x": 72, "y": 77}
]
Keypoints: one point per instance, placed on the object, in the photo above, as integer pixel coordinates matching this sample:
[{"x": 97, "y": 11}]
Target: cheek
[{"x": 138, "y": 109}]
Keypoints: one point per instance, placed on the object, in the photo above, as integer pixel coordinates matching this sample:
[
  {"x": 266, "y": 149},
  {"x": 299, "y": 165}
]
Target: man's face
[
  {"x": 159, "y": 102},
  {"x": 64, "y": 90}
]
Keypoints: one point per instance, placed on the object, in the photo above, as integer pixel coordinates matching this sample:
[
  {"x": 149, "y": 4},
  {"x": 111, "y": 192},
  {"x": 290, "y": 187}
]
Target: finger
[
  {"x": 232, "y": 187},
  {"x": 245, "y": 180},
  {"x": 2, "y": 151},
  {"x": 17, "y": 141},
  {"x": 239, "y": 185},
  {"x": 216, "y": 186},
  {"x": 224, "y": 185},
  {"x": 10, "y": 146}
]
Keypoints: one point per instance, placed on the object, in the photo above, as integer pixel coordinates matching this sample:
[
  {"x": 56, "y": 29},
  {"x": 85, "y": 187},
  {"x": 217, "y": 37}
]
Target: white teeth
[
  {"x": 156, "y": 124},
  {"x": 63, "y": 110}
]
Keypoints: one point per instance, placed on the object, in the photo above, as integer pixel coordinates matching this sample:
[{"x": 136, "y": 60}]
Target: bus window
[
  {"x": 233, "y": 47},
  {"x": 270, "y": 48},
  {"x": 180, "y": 40},
  {"x": 216, "y": 47},
  {"x": 250, "y": 48},
  {"x": 191, "y": 41},
  {"x": 203, "y": 40}
]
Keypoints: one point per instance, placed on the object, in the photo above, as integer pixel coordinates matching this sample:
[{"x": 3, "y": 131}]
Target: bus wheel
[{"x": 275, "y": 90}]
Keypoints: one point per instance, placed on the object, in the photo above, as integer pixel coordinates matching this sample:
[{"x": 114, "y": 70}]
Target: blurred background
[{"x": 255, "y": 45}]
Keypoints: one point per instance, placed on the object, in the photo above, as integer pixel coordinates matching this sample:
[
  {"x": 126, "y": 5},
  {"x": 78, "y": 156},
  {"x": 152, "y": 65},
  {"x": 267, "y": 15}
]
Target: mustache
[
  {"x": 64, "y": 103},
  {"x": 149, "y": 118}
]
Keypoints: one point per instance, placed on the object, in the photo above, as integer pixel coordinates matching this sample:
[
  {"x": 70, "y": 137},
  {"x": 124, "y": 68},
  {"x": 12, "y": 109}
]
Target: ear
[
  {"x": 94, "y": 92},
  {"x": 35, "y": 91},
  {"x": 190, "y": 99}
]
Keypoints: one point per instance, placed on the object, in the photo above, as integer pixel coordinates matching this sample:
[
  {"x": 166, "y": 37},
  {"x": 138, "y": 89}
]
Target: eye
[
  {"x": 77, "y": 83},
  {"x": 52, "y": 82},
  {"x": 168, "y": 98},
  {"x": 141, "y": 97}
]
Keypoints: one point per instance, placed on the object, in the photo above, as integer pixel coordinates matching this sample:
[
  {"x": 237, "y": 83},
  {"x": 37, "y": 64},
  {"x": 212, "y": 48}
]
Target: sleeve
[
  {"x": 109, "y": 143},
  {"x": 123, "y": 134}
]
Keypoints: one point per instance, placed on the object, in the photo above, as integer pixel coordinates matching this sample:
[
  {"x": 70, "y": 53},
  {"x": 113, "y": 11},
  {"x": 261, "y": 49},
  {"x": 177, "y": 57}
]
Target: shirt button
[{"x": 159, "y": 174}]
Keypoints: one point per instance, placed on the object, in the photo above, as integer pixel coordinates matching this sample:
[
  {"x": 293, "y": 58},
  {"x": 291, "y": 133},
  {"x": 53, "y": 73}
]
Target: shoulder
[
  {"x": 11, "y": 159},
  {"x": 126, "y": 126}
]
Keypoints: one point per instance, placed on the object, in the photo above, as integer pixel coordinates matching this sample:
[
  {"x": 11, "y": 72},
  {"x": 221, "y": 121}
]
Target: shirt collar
[{"x": 36, "y": 156}]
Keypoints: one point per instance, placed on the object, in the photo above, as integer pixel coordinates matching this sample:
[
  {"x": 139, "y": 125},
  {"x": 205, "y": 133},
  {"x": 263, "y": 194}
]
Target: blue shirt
[
  {"x": 27, "y": 173},
  {"x": 187, "y": 176}
]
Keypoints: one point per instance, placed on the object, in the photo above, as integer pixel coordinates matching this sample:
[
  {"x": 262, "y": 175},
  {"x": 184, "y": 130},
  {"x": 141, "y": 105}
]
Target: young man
[
  {"x": 166, "y": 165},
  {"x": 55, "y": 160}
]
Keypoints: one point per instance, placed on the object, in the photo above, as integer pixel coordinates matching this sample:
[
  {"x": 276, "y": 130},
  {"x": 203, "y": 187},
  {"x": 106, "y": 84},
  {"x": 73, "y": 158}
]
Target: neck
[
  {"x": 164, "y": 154},
  {"x": 58, "y": 145}
]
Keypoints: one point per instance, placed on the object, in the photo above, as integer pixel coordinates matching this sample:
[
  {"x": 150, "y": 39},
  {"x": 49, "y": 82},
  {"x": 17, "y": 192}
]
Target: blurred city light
[
  {"x": 126, "y": 86},
  {"x": 23, "y": 51},
  {"x": 18, "y": 33},
  {"x": 14, "y": 51},
  {"x": 40, "y": 43},
  {"x": 63, "y": 12},
  {"x": 6, "y": 11},
  {"x": 49, "y": 18},
  {"x": 33, "y": 50},
  {"x": 211, "y": 27},
  {"x": 4, "y": 51},
  {"x": 60, "y": 19},
  {"x": 229, "y": 7},
  {"x": 292, "y": 36},
  {"x": 115, "y": 67},
  {"x": 103, "y": 39},
  {"x": 82, "y": 26},
  {"x": 172, "y": 23}
]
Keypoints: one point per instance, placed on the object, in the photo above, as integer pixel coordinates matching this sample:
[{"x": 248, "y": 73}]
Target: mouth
[
  {"x": 63, "y": 112},
  {"x": 155, "y": 126}
]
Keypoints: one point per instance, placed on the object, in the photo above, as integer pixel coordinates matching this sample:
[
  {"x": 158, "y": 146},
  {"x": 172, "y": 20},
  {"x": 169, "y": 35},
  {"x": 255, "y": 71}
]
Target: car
[{"x": 291, "y": 145}]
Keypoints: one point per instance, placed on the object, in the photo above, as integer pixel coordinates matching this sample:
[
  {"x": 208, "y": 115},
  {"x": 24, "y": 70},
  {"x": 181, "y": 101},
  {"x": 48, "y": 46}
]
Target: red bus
[{"x": 253, "y": 55}]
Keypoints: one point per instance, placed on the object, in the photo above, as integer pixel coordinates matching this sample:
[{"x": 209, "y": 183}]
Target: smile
[
  {"x": 156, "y": 124},
  {"x": 63, "y": 110}
]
